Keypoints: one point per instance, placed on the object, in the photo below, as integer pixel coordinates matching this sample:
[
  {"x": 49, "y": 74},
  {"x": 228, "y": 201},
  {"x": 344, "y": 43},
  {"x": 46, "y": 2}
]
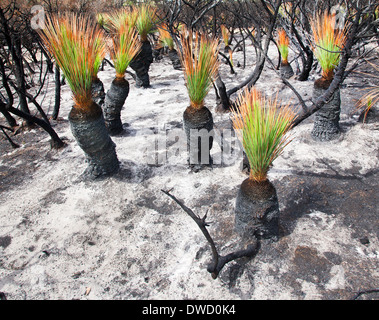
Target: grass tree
[
  {"x": 283, "y": 46},
  {"x": 74, "y": 41},
  {"x": 328, "y": 43},
  {"x": 370, "y": 98},
  {"x": 166, "y": 40},
  {"x": 226, "y": 38},
  {"x": 200, "y": 65},
  {"x": 261, "y": 125},
  {"x": 145, "y": 24},
  {"x": 125, "y": 46}
]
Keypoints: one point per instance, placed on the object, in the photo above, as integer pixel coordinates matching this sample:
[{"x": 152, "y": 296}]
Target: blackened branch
[
  {"x": 218, "y": 261},
  {"x": 359, "y": 293}
]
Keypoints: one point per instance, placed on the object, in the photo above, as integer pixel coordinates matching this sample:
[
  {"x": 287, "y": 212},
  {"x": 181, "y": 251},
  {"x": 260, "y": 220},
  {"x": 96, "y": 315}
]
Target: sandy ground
[{"x": 122, "y": 238}]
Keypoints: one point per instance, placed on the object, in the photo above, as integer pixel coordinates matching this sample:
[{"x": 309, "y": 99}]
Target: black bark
[
  {"x": 326, "y": 123},
  {"x": 141, "y": 64},
  {"x": 11, "y": 121},
  {"x": 257, "y": 210},
  {"x": 174, "y": 57},
  {"x": 56, "y": 142},
  {"x": 113, "y": 104},
  {"x": 198, "y": 126},
  {"x": 92, "y": 137},
  {"x": 14, "y": 46},
  {"x": 286, "y": 70},
  {"x": 223, "y": 103},
  {"x": 14, "y": 145},
  {"x": 57, "y": 103}
]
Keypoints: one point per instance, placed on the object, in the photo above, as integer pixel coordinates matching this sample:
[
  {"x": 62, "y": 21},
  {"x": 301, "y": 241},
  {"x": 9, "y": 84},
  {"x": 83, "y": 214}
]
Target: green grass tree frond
[
  {"x": 165, "y": 37},
  {"x": 371, "y": 96},
  {"x": 125, "y": 46},
  {"x": 146, "y": 20},
  {"x": 75, "y": 42},
  {"x": 225, "y": 34},
  {"x": 200, "y": 63},
  {"x": 283, "y": 45},
  {"x": 328, "y": 43},
  {"x": 262, "y": 126}
]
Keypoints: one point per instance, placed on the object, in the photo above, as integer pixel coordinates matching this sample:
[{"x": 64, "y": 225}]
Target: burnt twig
[
  {"x": 218, "y": 261},
  {"x": 359, "y": 293},
  {"x": 14, "y": 145}
]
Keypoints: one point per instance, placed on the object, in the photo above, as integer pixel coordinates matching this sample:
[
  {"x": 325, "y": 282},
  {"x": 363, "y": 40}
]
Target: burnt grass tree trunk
[
  {"x": 198, "y": 126},
  {"x": 286, "y": 70},
  {"x": 257, "y": 210},
  {"x": 113, "y": 104},
  {"x": 92, "y": 136},
  {"x": 141, "y": 64},
  {"x": 174, "y": 57},
  {"x": 326, "y": 123},
  {"x": 57, "y": 103}
]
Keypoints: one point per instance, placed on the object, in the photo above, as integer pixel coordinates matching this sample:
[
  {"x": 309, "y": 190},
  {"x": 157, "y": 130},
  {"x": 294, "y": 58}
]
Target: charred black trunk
[
  {"x": 174, "y": 57},
  {"x": 326, "y": 123},
  {"x": 198, "y": 126},
  {"x": 92, "y": 136},
  {"x": 286, "y": 70},
  {"x": 257, "y": 210},
  {"x": 223, "y": 101},
  {"x": 307, "y": 65},
  {"x": 57, "y": 104},
  {"x": 141, "y": 64},
  {"x": 114, "y": 101},
  {"x": 98, "y": 92}
]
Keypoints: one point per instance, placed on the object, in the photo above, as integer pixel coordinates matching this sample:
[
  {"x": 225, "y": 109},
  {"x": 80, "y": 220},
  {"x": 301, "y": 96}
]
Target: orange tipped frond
[
  {"x": 146, "y": 20},
  {"x": 328, "y": 43},
  {"x": 261, "y": 125},
  {"x": 371, "y": 97},
  {"x": 225, "y": 35},
  {"x": 283, "y": 44},
  {"x": 125, "y": 46},
  {"x": 121, "y": 17},
  {"x": 165, "y": 37},
  {"x": 200, "y": 64},
  {"x": 76, "y": 43}
]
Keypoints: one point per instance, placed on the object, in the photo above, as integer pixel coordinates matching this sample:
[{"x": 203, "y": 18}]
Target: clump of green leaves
[
  {"x": 77, "y": 45},
  {"x": 145, "y": 22},
  {"x": 165, "y": 37},
  {"x": 261, "y": 126},
  {"x": 329, "y": 41},
  {"x": 125, "y": 40},
  {"x": 283, "y": 44},
  {"x": 200, "y": 64}
]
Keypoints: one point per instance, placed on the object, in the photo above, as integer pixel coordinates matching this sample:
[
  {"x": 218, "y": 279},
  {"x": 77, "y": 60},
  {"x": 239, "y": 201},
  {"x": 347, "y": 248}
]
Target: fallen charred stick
[
  {"x": 359, "y": 293},
  {"x": 218, "y": 261}
]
